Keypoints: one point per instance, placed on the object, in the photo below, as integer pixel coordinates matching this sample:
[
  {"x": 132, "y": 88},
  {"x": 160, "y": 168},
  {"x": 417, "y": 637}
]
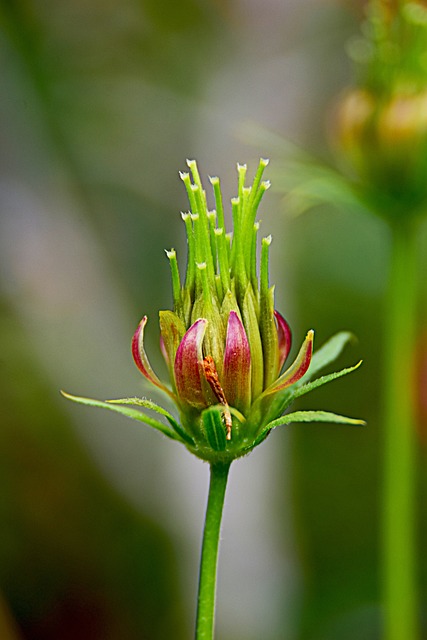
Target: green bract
[{"x": 224, "y": 343}]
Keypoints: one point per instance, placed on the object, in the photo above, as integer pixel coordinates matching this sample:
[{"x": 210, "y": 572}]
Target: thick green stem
[
  {"x": 399, "y": 507},
  {"x": 208, "y": 562}
]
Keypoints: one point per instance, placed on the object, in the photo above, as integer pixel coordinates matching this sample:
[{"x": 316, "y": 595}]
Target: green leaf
[
  {"x": 284, "y": 401},
  {"x": 305, "y": 180},
  {"x": 304, "y": 416},
  {"x": 214, "y": 428},
  {"x": 312, "y": 416},
  {"x": 327, "y": 354},
  {"x": 125, "y": 411},
  {"x": 321, "y": 358},
  {"x": 149, "y": 404},
  {"x": 309, "y": 184},
  {"x": 306, "y": 388}
]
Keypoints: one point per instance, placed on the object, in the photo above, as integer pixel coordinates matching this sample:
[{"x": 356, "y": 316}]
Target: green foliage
[{"x": 126, "y": 411}]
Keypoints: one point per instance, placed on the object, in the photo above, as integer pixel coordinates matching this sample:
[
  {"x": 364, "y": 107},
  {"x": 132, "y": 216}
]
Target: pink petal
[
  {"x": 163, "y": 350},
  {"x": 236, "y": 378},
  {"x": 285, "y": 338},
  {"x": 297, "y": 369},
  {"x": 141, "y": 359},
  {"x": 189, "y": 366}
]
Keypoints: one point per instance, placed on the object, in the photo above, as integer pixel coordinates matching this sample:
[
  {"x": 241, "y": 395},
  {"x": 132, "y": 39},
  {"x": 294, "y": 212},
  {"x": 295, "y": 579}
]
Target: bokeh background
[{"x": 101, "y": 520}]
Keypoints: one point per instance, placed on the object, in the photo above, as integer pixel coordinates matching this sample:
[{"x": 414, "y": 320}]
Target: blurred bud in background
[{"x": 379, "y": 127}]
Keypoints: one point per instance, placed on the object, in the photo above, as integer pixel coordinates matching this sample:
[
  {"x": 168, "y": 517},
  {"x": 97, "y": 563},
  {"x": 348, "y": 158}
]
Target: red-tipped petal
[
  {"x": 285, "y": 338},
  {"x": 236, "y": 378},
  {"x": 189, "y": 366},
  {"x": 297, "y": 369},
  {"x": 141, "y": 359}
]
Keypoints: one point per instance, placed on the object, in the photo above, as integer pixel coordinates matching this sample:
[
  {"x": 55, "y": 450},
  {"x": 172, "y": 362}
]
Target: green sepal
[
  {"x": 223, "y": 259},
  {"x": 270, "y": 342},
  {"x": 214, "y": 428},
  {"x": 134, "y": 414},
  {"x": 176, "y": 280},
  {"x": 250, "y": 322},
  {"x": 187, "y": 306},
  {"x": 149, "y": 404},
  {"x": 229, "y": 303},
  {"x": 190, "y": 278}
]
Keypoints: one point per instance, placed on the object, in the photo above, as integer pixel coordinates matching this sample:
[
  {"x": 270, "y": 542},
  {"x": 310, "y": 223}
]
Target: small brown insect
[{"x": 211, "y": 375}]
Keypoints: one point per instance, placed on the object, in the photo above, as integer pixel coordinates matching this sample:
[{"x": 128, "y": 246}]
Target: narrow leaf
[
  {"x": 312, "y": 416},
  {"x": 283, "y": 400},
  {"x": 149, "y": 404},
  {"x": 303, "y": 416},
  {"x": 125, "y": 411},
  {"x": 306, "y": 388}
]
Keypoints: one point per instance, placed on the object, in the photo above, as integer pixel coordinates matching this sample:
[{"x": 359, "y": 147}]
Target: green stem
[
  {"x": 208, "y": 562},
  {"x": 399, "y": 507}
]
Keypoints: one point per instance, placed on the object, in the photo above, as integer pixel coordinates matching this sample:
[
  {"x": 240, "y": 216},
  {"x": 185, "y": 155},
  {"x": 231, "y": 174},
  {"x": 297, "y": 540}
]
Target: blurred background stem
[{"x": 399, "y": 544}]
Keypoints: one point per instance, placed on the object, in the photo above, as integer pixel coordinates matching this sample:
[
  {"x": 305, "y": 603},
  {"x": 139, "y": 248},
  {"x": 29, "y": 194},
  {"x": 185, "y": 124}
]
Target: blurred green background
[{"x": 100, "y": 104}]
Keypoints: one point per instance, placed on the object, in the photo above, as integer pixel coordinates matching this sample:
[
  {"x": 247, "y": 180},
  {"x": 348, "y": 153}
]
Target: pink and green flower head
[{"x": 225, "y": 345}]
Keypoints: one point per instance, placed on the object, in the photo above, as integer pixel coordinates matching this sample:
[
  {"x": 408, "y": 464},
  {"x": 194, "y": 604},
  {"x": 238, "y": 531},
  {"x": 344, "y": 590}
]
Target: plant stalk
[
  {"x": 208, "y": 563},
  {"x": 400, "y": 606}
]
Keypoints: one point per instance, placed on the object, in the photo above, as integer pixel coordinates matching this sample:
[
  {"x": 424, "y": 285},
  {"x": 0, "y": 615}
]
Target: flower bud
[
  {"x": 224, "y": 343},
  {"x": 380, "y": 127},
  {"x": 384, "y": 142}
]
